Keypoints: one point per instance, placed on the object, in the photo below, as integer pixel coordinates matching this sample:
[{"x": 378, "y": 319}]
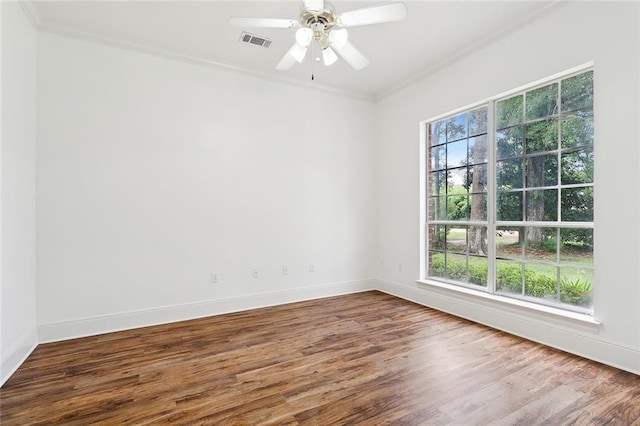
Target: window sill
[{"x": 574, "y": 320}]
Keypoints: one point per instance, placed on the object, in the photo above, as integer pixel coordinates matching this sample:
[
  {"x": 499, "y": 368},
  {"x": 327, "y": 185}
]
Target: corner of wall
[{"x": 13, "y": 357}]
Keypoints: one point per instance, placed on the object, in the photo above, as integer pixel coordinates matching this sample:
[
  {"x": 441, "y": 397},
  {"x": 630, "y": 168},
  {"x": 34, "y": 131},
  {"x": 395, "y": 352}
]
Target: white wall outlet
[
  {"x": 255, "y": 273},
  {"x": 399, "y": 266},
  {"x": 381, "y": 263},
  {"x": 312, "y": 267},
  {"x": 285, "y": 270},
  {"x": 214, "y": 278}
]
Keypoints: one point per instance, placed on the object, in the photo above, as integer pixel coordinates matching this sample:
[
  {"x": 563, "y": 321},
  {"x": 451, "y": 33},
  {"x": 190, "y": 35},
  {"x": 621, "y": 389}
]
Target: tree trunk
[
  {"x": 535, "y": 200},
  {"x": 478, "y": 234}
]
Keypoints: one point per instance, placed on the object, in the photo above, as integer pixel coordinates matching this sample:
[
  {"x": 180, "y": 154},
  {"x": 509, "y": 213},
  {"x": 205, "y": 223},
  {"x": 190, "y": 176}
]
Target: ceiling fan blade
[
  {"x": 314, "y": 4},
  {"x": 352, "y": 56},
  {"x": 374, "y": 15},
  {"x": 263, "y": 22},
  {"x": 296, "y": 53},
  {"x": 286, "y": 62}
]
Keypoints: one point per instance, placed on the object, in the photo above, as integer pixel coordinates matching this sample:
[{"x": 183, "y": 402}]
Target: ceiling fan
[{"x": 324, "y": 31}]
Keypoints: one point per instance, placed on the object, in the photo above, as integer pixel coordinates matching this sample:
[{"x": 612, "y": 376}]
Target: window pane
[
  {"x": 541, "y": 244},
  {"x": 436, "y": 157},
  {"x": 541, "y": 136},
  {"x": 478, "y": 121},
  {"x": 478, "y": 240},
  {"x": 438, "y": 208},
  {"x": 437, "y": 237},
  {"x": 478, "y": 268},
  {"x": 576, "y": 246},
  {"x": 541, "y": 170},
  {"x": 477, "y": 178},
  {"x": 510, "y": 142},
  {"x": 509, "y": 277},
  {"x": 457, "y": 154},
  {"x": 478, "y": 149},
  {"x": 577, "y": 92},
  {"x": 458, "y": 207},
  {"x": 509, "y": 112},
  {"x": 577, "y": 129},
  {"x": 457, "y": 180},
  {"x": 542, "y": 102},
  {"x": 437, "y": 183},
  {"x": 508, "y": 242},
  {"x": 457, "y": 127},
  {"x": 435, "y": 264},
  {"x": 576, "y": 286},
  {"x": 577, "y": 167},
  {"x": 509, "y": 206},
  {"x": 541, "y": 281},
  {"x": 577, "y": 204},
  {"x": 478, "y": 207},
  {"x": 542, "y": 205},
  {"x": 456, "y": 239},
  {"x": 456, "y": 267},
  {"x": 438, "y": 134},
  {"x": 509, "y": 174}
]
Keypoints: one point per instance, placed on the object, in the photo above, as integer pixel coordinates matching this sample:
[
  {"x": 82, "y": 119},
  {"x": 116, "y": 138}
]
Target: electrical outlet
[
  {"x": 214, "y": 278},
  {"x": 382, "y": 263},
  {"x": 255, "y": 273},
  {"x": 285, "y": 270},
  {"x": 399, "y": 266},
  {"x": 312, "y": 267}
]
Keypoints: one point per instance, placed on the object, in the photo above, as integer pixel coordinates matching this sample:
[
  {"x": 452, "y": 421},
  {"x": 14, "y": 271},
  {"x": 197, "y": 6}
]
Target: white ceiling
[{"x": 433, "y": 34}]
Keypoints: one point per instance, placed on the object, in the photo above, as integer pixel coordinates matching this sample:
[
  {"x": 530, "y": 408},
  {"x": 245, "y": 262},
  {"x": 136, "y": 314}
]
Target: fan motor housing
[{"x": 327, "y": 17}]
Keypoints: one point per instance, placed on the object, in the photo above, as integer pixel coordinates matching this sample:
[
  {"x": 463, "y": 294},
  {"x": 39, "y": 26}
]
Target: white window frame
[{"x": 581, "y": 315}]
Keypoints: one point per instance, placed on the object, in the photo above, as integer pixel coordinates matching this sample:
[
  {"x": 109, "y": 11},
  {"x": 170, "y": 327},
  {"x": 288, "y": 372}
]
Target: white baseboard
[
  {"x": 536, "y": 328},
  {"x": 163, "y": 315},
  {"x": 13, "y": 357}
]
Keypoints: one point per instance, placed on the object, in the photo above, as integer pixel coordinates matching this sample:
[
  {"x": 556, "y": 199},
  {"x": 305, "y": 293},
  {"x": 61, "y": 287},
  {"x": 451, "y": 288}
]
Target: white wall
[
  {"x": 153, "y": 173},
  {"x": 605, "y": 33},
  {"x": 18, "y": 191}
]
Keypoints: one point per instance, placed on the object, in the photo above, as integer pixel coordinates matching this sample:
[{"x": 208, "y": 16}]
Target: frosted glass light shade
[
  {"x": 329, "y": 56},
  {"x": 304, "y": 36},
  {"x": 338, "y": 38}
]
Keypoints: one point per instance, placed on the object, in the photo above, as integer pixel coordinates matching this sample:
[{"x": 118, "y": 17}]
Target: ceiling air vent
[{"x": 254, "y": 39}]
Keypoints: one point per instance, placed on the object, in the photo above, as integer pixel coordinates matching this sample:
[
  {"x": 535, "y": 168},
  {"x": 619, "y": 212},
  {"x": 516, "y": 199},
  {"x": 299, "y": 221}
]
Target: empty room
[{"x": 305, "y": 212}]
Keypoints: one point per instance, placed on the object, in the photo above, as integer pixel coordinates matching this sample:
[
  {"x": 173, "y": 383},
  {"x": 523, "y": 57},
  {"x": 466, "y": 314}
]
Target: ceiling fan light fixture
[
  {"x": 329, "y": 56},
  {"x": 304, "y": 36},
  {"x": 338, "y": 38}
]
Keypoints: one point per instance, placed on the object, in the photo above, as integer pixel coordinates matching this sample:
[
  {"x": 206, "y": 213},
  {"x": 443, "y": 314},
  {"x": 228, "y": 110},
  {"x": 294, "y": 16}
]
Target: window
[{"x": 510, "y": 195}]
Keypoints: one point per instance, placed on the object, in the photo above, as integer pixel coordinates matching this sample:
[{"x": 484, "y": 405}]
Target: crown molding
[
  {"x": 33, "y": 14},
  {"x": 194, "y": 59},
  {"x": 472, "y": 47}
]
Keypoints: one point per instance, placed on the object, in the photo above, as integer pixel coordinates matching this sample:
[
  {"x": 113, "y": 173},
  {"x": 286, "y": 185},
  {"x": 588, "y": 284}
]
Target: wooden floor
[{"x": 365, "y": 358}]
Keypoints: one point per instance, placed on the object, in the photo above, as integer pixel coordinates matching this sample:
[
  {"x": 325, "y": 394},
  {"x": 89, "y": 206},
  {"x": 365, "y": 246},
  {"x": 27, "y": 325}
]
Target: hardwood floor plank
[{"x": 366, "y": 358}]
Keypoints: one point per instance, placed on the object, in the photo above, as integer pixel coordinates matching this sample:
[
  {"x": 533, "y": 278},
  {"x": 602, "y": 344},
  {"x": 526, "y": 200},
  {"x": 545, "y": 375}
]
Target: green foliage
[
  {"x": 577, "y": 91},
  {"x": 456, "y": 270},
  {"x": 542, "y": 102},
  {"x": 539, "y": 285},
  {"x": 478, "y": 273},
  {"x": 528, "y": 126},
  {"x": 509, "y": 277},
  {"x": 575, "y": 292},
  {"x": 509, "y": 112},
  {"x": 550, "y": 244}
]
